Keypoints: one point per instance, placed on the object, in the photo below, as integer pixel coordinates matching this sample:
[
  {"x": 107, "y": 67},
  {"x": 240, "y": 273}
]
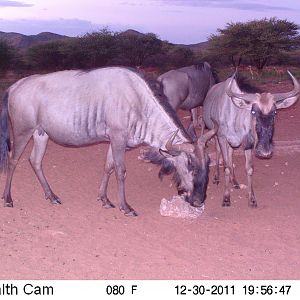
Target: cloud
[
  {"x": 233, "y": 4},
  {"x": 9, "y": 3}
]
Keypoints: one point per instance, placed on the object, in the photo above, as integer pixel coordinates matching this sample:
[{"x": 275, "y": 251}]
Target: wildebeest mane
[
  {"x": 166, "y": 165},
  {"x": 157, "y": 89},
  {"x": 199, "y": 65},
  {"x": 214, "y": 72},
  {"x": 154, "y": 156},
  {"x": 215, "y": 75}
]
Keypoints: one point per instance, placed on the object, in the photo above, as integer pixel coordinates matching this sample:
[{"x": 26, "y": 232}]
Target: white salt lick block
[{"x": 177, "y": 207}]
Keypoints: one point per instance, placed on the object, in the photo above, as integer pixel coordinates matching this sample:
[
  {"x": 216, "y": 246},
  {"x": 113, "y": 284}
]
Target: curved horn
[
  {"x": 282, "y": 96},
  {"x": 246, "y": 97},
  {"x": 185, "y": 147}
]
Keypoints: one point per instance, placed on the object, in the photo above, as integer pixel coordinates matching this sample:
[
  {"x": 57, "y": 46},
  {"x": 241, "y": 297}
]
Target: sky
[{"x": 177, "y": 21}]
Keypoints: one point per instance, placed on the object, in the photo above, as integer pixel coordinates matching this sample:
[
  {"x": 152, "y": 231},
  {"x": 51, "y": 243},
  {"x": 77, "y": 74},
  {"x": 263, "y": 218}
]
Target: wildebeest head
[
  {"x": 263, "y": 108},
  {"x": 189, "y": 164}
]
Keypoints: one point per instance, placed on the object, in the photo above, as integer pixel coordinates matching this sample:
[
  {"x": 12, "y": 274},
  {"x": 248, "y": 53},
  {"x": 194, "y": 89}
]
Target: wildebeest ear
[
  {"x": 241, "y": 103},
  {"x": 241, "y": 100},
  {"x": 168, "y": 154},
  {"x": 286, "y": 102}
]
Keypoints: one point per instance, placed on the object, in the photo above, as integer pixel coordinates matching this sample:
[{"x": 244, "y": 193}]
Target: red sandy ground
[{"x": 82, "y": 240}]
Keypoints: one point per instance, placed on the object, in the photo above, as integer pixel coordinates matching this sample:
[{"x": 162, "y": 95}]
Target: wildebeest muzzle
[{"x": 264, "y": 129}]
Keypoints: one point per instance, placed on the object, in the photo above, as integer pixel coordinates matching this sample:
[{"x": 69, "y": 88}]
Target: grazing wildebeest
[
  {"x": 186, "y": 88},
  {"x": 77, "y": 108},
  {"x": 244, "y": 119}
]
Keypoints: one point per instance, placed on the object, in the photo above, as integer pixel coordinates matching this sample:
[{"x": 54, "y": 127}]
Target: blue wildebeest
[
  {"x": 186, "y": 88},
  {"x": 77, "y": 108},
  {"x": 245, "y": 119}
]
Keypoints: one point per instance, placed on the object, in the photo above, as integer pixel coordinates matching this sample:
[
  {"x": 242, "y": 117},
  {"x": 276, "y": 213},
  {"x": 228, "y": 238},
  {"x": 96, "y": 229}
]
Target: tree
[
  {"x": 180, "y": 56},
  {"x": 256, "y": 42},
  {"x": 91, "y": 50},
  {"x": 46, "y": 56},
  {"x": 98, "y": 48},
  {"x": 136, "y": 49}
]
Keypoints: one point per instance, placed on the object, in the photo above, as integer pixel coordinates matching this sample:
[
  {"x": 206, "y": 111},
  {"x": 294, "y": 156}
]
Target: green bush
[
  {"x": 7, "y": 56},
  {"x": 103, "y": 48}
]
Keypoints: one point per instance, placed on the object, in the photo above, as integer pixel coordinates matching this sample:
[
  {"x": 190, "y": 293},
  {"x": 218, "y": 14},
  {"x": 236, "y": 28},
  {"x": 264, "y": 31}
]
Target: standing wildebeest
[
  {"x": 244, "y": 119},
  {"x": 77, "y": 108},
  {"x": 187, "y": 87}
]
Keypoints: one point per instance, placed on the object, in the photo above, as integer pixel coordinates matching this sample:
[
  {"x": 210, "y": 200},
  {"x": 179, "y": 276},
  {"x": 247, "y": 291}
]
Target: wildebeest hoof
[
  {"x": 235, "y": 184},
  {"x": 105, "y": 202},
  {"x": 216, "y": 181},
  {"x": 252, "y": 201},
  {"x": 128, "y": 212},
  {"x": 56, "y": 201},
  {"x": 53, "y": 198},
  {"x": 8, "y": 204},
  {"x": 252, "y": 204},
  {"x": 108, "y": 205},
  {"x": 132, "y": 213},
  {"x": 197, "y": 204},
  {"x": 226, "y": 202}
]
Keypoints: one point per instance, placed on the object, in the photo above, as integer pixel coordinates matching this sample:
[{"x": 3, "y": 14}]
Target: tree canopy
[
  {"x": 135, "y": 49},
  {"x": 103, "y": 48},
  {"x": 256, "y": 42}
]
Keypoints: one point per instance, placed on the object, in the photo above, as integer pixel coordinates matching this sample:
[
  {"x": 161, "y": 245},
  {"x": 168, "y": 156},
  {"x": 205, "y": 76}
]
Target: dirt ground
[{"x": 82, "y": 240}]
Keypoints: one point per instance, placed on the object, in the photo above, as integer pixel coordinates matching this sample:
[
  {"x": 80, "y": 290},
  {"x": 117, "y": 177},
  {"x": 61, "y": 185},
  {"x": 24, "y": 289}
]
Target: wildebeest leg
[
  {"x": 20, "y": 142},
  {"x": 108, "y": 170},
  {"x": 202, "y": 126},
  {"x": 227, "y": 168},
  {"x": 40, "y": 141},
  {"x": 118, "y": 146},
  {"x": 232, "y": 174},
  {"x": 194, "y": 123},
  {"x": 217, "y": 167},
  {"x": 249, "y": 169}
]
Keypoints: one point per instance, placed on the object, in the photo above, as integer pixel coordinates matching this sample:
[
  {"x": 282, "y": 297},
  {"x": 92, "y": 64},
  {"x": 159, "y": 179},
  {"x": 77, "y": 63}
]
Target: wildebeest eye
[
  {"x": 190, "y": 165},
  {"x": 273, "y": 113}
]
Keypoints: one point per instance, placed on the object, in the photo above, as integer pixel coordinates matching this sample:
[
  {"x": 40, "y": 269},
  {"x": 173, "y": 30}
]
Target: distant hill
[
  {"x": 131, "y": 32},
  {"x": 23, "y": 41},
  {"x": 195, "y": 47}
]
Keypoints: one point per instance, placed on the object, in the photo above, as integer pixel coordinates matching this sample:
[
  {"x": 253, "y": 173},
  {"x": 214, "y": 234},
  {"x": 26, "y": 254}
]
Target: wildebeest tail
[{"x": 4, "y": 134}]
